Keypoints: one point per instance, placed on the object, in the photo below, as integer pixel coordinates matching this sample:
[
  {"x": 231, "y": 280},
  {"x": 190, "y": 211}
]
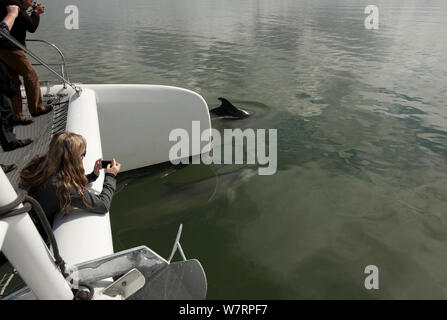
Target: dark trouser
[
  {"x": 18, "y": 64},
  {"x": 7, "y": 136}
]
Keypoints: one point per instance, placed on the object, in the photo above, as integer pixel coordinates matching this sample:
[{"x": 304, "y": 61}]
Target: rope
[
  {"x": 29, "y": 202},
  {"x": 8, "y": 210}
]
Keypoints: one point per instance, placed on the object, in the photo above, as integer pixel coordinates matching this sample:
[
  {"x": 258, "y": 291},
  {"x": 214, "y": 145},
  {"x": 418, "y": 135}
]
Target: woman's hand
[
  {"x": 98, "y": 167},
  {"x": 113, "y": 168}
]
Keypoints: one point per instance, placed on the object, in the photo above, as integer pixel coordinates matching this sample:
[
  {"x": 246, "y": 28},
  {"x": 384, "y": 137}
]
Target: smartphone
[{"x": 105, "y": 163}]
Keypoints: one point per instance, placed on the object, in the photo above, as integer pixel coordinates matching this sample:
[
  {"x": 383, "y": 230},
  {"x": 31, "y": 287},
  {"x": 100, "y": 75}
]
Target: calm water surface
[{"x": 362, "y": 131}]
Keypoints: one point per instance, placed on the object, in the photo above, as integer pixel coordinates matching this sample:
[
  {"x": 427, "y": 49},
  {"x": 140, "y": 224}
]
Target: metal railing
[
  {"x": 40, "y": 61},
  {"x": 62, "y": 65}
]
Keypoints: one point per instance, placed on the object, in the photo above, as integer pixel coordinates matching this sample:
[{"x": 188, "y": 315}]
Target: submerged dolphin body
[
  {"x": 226, "y": 182},
  {"x": 226, "y": 109}
]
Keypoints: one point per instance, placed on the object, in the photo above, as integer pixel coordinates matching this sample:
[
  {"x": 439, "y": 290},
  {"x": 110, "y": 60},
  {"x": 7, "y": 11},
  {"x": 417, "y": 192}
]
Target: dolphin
[
  {"x": 227, "y": 110},
  {"x": 158, "y": 199},
  {"x": 227, "y": 182}
]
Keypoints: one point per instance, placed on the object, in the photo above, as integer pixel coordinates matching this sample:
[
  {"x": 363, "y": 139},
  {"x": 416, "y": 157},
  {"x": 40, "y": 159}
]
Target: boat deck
[{"x": 41, "y": 132}]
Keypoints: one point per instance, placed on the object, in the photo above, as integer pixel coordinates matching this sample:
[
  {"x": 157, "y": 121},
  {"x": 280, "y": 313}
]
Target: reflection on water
[{"x": 361, "y": 124}]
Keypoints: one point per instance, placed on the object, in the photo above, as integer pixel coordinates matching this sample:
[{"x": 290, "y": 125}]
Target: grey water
[{"x": 362, "y": 131}]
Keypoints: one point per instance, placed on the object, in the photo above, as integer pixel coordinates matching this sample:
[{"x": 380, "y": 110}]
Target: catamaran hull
[{"x": 132, "y": 124}]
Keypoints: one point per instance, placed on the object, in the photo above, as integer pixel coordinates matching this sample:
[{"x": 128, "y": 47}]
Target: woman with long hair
[{"x": 58, "y": 182}]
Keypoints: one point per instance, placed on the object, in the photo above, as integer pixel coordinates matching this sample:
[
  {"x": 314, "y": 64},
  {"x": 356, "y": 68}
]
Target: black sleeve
[
  {"x": 99, "y": 203},
  {"x": 4, "y": 28},
  {"x": 91, "y": 177},
  {"x": 31, "y": 22}
]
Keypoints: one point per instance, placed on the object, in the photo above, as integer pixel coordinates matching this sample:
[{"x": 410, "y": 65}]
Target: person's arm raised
[
  {"x": 99, "y": 203},
  {"x": 32, "y": 21},
  {"x": 12, "y": 13}
]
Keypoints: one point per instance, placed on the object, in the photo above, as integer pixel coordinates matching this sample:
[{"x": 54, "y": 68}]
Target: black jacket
[
  {"x": 46, "y": 195},
  {"x": 24, "y": 23},
  {"x": 6, "y": 86}
]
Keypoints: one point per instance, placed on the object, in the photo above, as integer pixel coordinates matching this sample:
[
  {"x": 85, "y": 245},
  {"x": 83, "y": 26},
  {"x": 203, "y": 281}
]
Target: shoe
[
  {"x": 8, "y": 168},
  {"x": 23, "y": 122},
  {"x": 17, "y": 144},
  {"x": 42, "y": 112}
]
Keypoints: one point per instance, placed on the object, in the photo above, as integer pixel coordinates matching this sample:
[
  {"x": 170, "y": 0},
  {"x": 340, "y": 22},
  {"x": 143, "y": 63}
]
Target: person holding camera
[
  {"x": 57, "y": 180},
  {"x": 8, "y": 139},
  {"x": 18, "y": 63}
]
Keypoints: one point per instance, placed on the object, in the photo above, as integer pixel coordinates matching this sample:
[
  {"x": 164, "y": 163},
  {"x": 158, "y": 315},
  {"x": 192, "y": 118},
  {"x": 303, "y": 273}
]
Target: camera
[{"x": 105, "y": 163}]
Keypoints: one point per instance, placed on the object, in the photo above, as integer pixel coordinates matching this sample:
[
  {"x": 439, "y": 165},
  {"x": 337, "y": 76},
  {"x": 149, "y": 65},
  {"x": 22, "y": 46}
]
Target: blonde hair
[{"x": 63, "y": 160}]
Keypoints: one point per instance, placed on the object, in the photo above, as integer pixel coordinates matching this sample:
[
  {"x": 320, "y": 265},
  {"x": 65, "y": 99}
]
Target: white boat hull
[
  {"x": 130, "y": 123},
  {"x": 135, "y": 121}
]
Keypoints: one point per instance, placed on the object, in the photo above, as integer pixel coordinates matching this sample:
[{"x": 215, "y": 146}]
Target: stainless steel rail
[
  {"x": 62, "y": 65},
  {"x": 35, "y": 57}
]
